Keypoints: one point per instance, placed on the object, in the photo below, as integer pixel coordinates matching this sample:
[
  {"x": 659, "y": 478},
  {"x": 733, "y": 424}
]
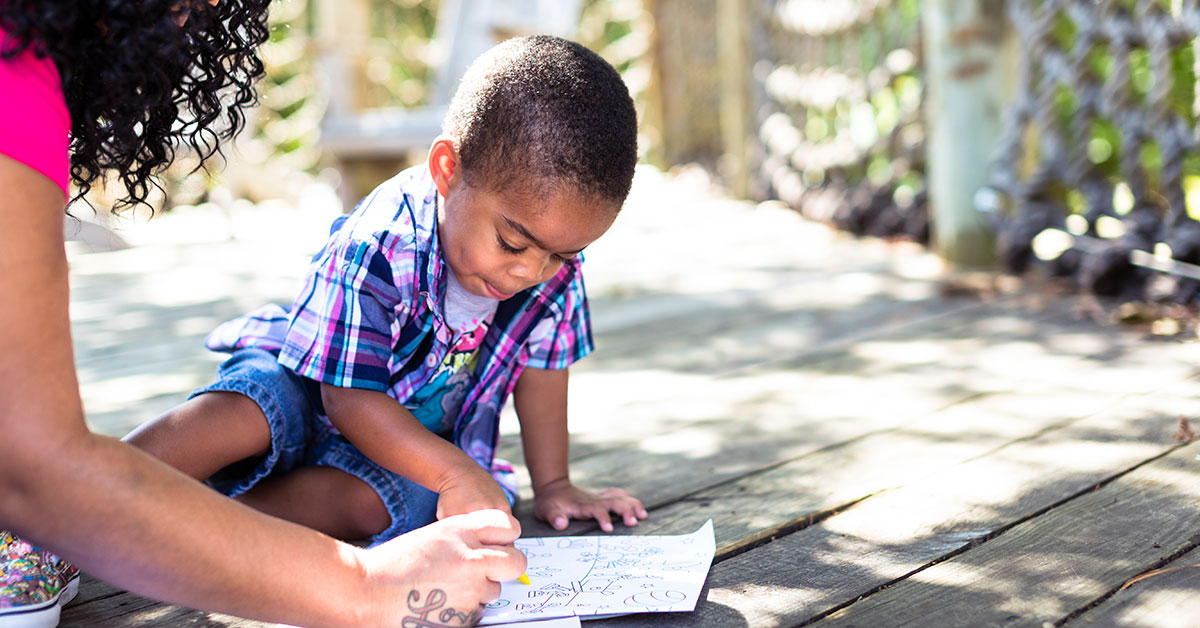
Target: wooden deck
[{"x": 874, "y": 449}]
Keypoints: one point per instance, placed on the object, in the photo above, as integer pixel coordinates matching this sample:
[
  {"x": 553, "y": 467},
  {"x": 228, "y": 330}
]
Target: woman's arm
[
  {"x": 540, "y": 398},
  {"x": 133, "y": 521},
  {"x": 389, "y": 434}
]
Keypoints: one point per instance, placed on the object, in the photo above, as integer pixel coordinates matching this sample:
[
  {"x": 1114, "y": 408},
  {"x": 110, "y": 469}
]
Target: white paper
[
  {"x": 606, "y": 575},
  {"x": 560, "y": 622}
]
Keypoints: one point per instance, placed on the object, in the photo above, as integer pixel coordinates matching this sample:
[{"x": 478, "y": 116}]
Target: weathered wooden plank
[
  {"x": 142, "y": 336},
  {"x": 598, "y": 415},
  {"x": 787, "y": 497},
  {"x": 897, "y": 532},
  {"x": 125, "y": 610},
  {"x": 658, "y": 400},
  {"x": 623, "y": 322},
  {"x": 121, "y": 609},
  {"x": 116, "y": 340},
  {"x": 1164, "y": 600},
  {"x": 146, "y": 336},
  {"x": 142, "y": 288},
  {"x": 91, "y": 589},
  {"x": 125, "y": 384},
  {"x": 115, "y": 406},
  {"x": 761, "y": 504},
  {"x": 101, "y": 605},
  {"x": 723, "y": 331},
  {"x": 175, "y": 355},
  {"x": 972, "y": 351},
  {"x": 780, "y": 416},
  {"x": 1043, "y": 570}
]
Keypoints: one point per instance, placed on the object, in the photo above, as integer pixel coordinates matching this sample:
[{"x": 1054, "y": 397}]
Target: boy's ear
[{"x": 443, "y": 163}]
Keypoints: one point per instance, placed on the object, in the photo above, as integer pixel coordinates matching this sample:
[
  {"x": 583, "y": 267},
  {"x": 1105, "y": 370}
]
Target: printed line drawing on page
[{"x": 593, "y": 576}]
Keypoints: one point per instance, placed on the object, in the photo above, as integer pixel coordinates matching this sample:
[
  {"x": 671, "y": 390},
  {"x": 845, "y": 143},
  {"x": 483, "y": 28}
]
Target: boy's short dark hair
[{"x": 540, "y": 115}]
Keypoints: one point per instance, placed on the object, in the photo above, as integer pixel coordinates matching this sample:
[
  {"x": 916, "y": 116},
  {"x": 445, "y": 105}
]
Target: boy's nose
[
  {"x": 524, "y": 272},
  {"x": 529, "y": 269}
]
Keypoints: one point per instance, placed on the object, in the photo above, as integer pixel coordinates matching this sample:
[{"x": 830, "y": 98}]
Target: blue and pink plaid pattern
[{"x": 370, "y": 316}]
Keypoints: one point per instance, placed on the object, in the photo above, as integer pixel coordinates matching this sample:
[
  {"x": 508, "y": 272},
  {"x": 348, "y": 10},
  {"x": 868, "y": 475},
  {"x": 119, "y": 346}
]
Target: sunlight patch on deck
[
  {"x": 903, "y": 352},
  {"x": 116, "y": 393},
  {"x": 687, "y": 443}
]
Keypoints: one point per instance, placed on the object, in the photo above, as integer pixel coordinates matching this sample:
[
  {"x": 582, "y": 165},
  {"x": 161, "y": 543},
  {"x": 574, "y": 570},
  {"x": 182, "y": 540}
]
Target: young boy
[{"x": 371, "y": 406}]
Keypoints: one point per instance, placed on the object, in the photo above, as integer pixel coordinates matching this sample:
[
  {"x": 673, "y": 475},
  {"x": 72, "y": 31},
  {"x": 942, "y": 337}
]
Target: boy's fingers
[
  {"x": 556, "y": 517},
  {"x": 626, "y": 510},
  {"x": 601, "y": 515},
  {"x": 638, "y": 508}
]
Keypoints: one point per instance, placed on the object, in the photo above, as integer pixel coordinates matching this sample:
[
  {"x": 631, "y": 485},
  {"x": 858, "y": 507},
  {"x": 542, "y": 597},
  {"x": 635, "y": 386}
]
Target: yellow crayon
[{"x": 524, "y": 579}]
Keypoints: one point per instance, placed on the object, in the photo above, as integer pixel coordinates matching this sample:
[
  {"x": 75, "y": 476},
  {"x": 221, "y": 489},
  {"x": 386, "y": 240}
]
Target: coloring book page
[{"x": 591, "y": 576}]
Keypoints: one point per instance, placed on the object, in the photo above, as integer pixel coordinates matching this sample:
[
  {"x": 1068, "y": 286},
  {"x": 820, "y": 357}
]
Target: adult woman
[{"x": 139, "y": 77}]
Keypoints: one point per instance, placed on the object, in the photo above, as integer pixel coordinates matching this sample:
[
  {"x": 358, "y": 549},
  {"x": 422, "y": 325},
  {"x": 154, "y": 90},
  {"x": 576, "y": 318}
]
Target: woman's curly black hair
[{"x": 144, "y": 79}]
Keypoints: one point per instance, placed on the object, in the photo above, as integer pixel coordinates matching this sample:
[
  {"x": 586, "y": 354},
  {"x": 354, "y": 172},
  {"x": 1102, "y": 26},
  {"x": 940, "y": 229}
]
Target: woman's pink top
[{"x": 35, "y": 124}]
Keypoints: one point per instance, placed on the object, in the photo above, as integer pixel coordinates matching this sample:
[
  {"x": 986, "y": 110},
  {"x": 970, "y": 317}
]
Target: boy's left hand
[{"x": 560, "y": 501}]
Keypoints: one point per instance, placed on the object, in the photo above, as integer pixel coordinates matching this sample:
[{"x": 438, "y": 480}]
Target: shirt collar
[{"x": 433, "y": 276}]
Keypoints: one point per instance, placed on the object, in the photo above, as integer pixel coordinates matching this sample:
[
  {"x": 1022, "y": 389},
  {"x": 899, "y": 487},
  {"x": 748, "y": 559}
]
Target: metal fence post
[{"x": 969, "y": 55}]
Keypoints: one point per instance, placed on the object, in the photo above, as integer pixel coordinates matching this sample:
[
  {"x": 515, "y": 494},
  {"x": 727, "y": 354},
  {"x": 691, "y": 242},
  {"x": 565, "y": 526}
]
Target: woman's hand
[
  {"x": 442, "y": 574},
  {"x": 560, "y": 501}
]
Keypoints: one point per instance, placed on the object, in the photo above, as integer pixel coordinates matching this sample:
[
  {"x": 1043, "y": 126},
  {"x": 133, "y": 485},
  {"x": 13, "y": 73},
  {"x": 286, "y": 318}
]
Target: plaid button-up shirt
[{"x": 370, "y": 314}]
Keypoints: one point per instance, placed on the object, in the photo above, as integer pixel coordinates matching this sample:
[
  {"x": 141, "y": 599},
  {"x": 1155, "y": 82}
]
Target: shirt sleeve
[
  {"x": 560, "y": 340},
  {"x": 341, "y": 328},
  {"x": 35, "y": 124}
]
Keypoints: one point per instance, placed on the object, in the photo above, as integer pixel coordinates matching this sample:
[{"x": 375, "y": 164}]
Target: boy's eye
[{"x": 506, "y": 247}]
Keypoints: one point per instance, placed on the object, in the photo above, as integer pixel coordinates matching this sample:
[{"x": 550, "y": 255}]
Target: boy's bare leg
[
  {"x": 322, "y": 498},
  {"x": 206, "y": 434},
  {"x": 217, "y": 429}
]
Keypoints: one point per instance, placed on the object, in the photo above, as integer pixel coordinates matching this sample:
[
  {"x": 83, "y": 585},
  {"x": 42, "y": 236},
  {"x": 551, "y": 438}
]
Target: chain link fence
[
  {"x": 838, "y": 93},
  {"x": 1098, "y": 161},
  {"x": 1096, "y": 178}
]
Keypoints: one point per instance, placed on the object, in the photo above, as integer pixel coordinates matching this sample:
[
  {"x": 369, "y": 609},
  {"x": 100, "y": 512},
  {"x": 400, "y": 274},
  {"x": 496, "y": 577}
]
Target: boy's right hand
[
  {"x": 469, "y": 490},
  {"x": 442, "y": 573}
]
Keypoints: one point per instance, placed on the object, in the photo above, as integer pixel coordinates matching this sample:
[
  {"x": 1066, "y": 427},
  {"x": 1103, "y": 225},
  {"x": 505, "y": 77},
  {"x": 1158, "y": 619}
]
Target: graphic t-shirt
[{"x": 438, "y": 402}]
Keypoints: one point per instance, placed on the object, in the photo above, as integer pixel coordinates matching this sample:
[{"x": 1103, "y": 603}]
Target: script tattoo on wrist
[{"x": 434, "y": 605}]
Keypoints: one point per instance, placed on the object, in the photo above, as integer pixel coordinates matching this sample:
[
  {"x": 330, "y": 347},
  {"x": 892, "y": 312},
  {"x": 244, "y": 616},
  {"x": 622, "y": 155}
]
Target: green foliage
[
  {"x": 285, "y": 124},
  {"x": 618, "y": 30},
  {"x": 398, "y": 69},
  {"x": 1183, "y": 85},
  {"x": 1100, "y": 137}
]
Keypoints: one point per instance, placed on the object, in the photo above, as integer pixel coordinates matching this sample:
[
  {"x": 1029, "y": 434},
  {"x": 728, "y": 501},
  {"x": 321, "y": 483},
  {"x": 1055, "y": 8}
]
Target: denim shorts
[{"x": 302, "y": 436}]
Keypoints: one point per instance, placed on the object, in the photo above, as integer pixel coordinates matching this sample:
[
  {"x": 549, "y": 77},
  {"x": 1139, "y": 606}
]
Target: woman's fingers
[{"x": 490, "y": 527}]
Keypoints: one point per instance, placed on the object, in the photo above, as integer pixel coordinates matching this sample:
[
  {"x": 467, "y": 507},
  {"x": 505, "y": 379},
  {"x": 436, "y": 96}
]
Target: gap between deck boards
[{"x": 883, "y": 541}]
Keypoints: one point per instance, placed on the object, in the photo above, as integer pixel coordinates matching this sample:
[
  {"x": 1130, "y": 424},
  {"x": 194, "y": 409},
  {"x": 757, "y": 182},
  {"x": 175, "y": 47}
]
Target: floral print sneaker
[{"x": 34, "y": 584}]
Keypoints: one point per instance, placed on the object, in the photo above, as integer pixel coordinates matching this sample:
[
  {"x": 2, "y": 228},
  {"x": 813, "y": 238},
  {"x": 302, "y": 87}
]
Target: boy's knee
[{"x": 367, "y": 512}]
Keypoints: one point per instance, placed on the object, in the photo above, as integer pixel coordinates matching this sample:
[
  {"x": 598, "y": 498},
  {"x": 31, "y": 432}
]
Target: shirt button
[{"x": 431, "y": 360}]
